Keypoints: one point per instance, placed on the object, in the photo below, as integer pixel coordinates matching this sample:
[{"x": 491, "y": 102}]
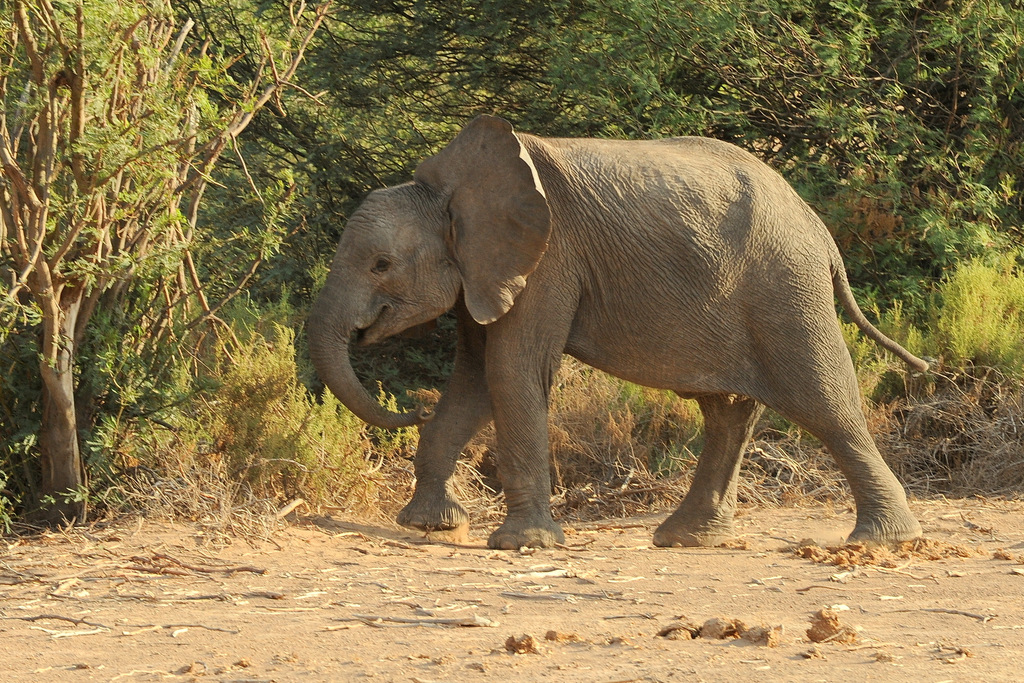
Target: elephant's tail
[{"x": 841, "y": 286}]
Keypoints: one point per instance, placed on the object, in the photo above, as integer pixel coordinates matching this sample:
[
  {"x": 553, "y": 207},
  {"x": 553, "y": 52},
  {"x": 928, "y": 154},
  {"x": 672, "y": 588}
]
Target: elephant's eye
[{"x": 381, "y": 266}]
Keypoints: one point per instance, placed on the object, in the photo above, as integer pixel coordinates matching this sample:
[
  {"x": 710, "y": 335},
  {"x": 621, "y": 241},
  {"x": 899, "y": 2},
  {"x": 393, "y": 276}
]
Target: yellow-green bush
[
  {"x": 250, "y": 440},
  {"x": 269, "y": 432},
  {"x": 974, "y": 318},
  {"x": 266, "y": 429},
  {"x": 981, "y": 316}
]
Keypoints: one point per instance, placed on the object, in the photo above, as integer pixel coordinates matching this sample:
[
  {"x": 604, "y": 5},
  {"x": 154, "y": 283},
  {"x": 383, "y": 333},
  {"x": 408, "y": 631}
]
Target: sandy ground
[{"x": 336, "y": 600}]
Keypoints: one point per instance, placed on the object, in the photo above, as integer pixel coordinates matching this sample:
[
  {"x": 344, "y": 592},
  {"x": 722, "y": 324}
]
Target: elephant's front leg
[
  {"x": 463, "y": 410},
  {"x": 519, "y": 395},
  {"x": 704, "y": 518}
]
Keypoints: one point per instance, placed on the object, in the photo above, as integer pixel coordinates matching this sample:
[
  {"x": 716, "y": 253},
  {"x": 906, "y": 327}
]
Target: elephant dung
[
  {"x": 524, "y": 644},
  {"x": 680, "y": 629},
  {"x": 558, "y": 637},
  {"x": 768, "y": 636},
  {"x": 826, "y": 628},
  {"x": 720, "y": 629}
]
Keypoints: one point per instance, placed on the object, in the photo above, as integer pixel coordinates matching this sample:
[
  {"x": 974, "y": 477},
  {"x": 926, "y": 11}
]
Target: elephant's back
[
  {"x": 693, "y": 153},
  {"x": 696, "y": 171},
  {"x": 694, "y": 188}
]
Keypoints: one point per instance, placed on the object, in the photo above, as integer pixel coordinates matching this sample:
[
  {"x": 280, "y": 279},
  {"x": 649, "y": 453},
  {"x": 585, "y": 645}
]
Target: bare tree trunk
[
  {"x": 60, "y": 457},
  {"x": 63, "y": 472}
]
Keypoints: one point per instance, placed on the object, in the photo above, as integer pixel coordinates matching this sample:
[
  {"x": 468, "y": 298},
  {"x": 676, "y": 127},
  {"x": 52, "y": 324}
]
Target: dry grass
[
  {"x": 965, "y": 438},
  {"x": 616, "y": 448},
  {"x": 217, "y": 506}
]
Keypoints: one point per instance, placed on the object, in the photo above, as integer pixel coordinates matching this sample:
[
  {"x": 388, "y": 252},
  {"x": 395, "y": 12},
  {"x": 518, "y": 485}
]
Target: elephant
[{"x": 684, "y": 264}]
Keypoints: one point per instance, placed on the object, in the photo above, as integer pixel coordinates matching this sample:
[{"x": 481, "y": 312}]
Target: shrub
[
  {"x": 265, "y": 429},
  {"x": 252, "y": 438},
  {"x": 981, "y": 316},
  {"x": 962, "y": 440}
]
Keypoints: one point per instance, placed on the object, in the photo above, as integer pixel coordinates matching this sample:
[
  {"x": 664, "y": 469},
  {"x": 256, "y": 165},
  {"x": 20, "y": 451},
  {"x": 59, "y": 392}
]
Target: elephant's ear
[{"x": 500, "y": 216}]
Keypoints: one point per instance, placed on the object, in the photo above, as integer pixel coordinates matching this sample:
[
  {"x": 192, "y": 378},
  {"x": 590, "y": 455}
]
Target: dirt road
[{"x": 332, "y": 600}]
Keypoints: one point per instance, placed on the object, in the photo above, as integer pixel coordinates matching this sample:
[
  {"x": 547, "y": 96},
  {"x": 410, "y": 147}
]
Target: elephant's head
[{"x": 474, "y": 220}]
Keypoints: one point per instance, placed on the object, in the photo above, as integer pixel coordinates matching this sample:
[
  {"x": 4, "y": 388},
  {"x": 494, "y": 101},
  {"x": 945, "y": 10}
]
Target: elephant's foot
[
  {"x": 687, "y": 530},
  {"x": 430, "y": 512},
  {"x": 885, "y": 528},
  {"x": 539, "y": 531}
]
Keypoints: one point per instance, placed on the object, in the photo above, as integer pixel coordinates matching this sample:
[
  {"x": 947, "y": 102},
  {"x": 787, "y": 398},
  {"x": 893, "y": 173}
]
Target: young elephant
[{"x": 683, "y": 264}]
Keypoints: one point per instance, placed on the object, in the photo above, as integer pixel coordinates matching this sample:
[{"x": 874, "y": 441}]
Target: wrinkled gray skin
[{"x": 683, "y": 264}]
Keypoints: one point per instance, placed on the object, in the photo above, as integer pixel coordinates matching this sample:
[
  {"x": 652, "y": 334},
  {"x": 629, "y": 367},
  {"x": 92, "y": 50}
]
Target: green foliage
[
  {"x": 20, "y": 387},
  {"x": 981, "y": 320},
  {"x": 6, "y": 505},
  {"x": 115, "y": 116},
  {"x": 900, "y": 122},
  {"x": 392, "y": 81}
]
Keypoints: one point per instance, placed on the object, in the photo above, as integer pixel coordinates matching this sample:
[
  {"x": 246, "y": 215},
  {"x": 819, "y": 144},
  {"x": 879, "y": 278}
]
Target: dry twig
[
  {"x": 169, "y": 566},
  {"x": 474, "y": 620},
  {"x": 58, "y": 617},
  {"x": 983, "y": 618}
]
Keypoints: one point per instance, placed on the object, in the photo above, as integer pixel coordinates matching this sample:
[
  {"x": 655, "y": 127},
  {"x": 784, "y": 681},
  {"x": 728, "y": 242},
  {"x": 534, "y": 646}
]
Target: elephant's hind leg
[
  {"x": 829, "y": 406},
  {"x": 704, "y": 518},
  {"x": 883, "y": 515}
]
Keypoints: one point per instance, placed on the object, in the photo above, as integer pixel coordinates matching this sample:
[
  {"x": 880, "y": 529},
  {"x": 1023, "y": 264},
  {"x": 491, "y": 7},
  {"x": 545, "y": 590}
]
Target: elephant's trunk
[{"x": 328, "y": 349}]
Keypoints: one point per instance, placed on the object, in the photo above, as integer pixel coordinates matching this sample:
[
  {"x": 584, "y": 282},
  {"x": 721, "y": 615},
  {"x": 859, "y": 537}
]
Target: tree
[{"x": 112, "y": 125}]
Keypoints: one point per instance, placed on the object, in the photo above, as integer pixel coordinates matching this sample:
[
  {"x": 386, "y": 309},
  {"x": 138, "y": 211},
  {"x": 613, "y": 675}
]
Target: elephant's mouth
[{"x": 376, "y": 330}]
